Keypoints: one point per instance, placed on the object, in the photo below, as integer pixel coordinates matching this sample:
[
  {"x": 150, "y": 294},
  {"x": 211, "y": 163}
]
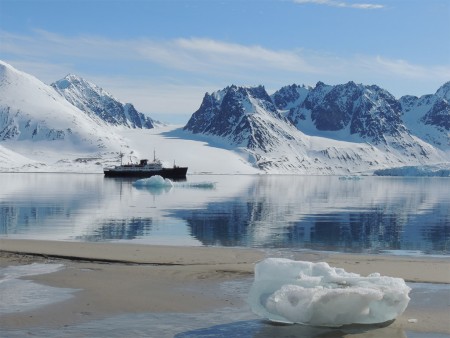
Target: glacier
[
  {"x": 437, "y": 170},
  {"x": 316, "y": 294}
]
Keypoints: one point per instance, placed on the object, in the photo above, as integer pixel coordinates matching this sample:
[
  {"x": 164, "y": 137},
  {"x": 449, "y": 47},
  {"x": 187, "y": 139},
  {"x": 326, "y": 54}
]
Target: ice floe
[
  {"x": 160, "y": 182},
  {"x": 316, "y": 294},
  {"x": 350, "y": 177},
  {"x": 154, "y": 181}
]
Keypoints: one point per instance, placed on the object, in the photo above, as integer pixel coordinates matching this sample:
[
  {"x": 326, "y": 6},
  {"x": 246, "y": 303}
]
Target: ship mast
[
  {"x": 121, "y": 155},
  {"x": 131, "y": 153}
]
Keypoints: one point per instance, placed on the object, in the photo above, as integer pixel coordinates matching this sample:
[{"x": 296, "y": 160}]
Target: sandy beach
[{"x": 115, "y": 278}]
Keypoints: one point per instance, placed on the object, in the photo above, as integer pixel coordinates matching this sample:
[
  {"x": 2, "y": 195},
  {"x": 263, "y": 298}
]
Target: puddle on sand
[{"x": 18, "y": 295}]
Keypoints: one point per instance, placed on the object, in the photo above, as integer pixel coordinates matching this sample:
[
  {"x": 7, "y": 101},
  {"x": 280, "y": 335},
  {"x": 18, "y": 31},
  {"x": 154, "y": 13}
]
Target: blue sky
[{"x": 163, "y": 55}]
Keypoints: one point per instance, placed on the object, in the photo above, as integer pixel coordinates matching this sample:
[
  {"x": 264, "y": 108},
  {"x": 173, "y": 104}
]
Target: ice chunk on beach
[{"x": 316, "y": 294}]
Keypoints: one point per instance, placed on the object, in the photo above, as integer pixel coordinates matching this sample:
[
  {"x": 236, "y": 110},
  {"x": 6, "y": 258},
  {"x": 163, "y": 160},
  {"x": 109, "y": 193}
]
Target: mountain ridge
[
  {"x": 99, "y": 104},
  {"x": 35, "y": 120},
  {"x": 341, "y": 129},
  {"x": 359, "y": 122}
]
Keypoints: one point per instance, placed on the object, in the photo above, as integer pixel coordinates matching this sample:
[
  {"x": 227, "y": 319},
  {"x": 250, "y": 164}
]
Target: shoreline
[
  {"x": 432, "y": 269},
  {"x": 117, "y": 278}
]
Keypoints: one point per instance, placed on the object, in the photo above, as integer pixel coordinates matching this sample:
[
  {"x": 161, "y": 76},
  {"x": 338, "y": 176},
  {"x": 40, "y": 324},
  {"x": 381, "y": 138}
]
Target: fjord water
[{"x": 370, "y": 214}]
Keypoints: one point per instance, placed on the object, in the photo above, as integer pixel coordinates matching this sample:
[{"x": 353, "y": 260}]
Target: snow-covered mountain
[
  {"x": 41, "y": 131},
  {"x": 99, "y": 104},
  {"x": 367, "y": 112},
  {"x": 326, "y": 129},
  {"x": 245, "y": 116},
  {"x": 36, "y": 122},
  {"x": 344, "y": 129},
  {"x": 429, "y": 116},
  {"x": 10, "y": 159},
  {"x": 246, "y": 119}
]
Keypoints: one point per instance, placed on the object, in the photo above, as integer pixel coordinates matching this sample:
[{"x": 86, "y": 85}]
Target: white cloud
[
  {"x": 401, "y": 68},
  {"x": 207, "y": 55},
  {"x": 334, "y": 3},
  {"x": 173, "y": 75},
  {"x": 212, "y": 58},
  {"x": 194, "y": 54}
]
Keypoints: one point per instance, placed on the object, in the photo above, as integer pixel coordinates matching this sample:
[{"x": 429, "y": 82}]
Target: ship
[{"x": 145, "y": 168}]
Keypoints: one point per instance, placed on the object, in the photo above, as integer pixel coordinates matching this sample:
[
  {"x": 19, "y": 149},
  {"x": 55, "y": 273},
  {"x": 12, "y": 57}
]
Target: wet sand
[{"x": 116, "y": 278}]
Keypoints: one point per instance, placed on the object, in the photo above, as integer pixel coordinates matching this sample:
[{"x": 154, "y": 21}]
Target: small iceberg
[
  {"x": 316, "y": 294},
  {"x": 159, "y": 182},
  {"x": 156, "y": 181}
]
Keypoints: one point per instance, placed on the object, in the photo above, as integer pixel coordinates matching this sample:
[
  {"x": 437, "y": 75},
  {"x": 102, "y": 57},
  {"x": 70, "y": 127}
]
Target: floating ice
[
  {"x": 350, "y": 177},
  {"x": 199, "y": 185},
  {"x": 160, "y": 182},
  {"x": 154, "y": 182},
  {"x": 316, "y": 294}
]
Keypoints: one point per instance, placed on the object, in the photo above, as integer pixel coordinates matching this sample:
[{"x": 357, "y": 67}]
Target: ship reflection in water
[{"x": 372, "y": 214}]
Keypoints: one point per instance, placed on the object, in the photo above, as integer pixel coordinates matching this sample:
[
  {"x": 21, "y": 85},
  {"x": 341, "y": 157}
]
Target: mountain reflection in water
[
  {"x": 302, "y": 212},
  {"x": 329, "y": 214}
]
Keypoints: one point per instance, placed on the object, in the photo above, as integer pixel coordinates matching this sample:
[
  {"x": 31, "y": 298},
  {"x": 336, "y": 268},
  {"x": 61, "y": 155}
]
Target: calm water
[{"x": 372, "y": 214}]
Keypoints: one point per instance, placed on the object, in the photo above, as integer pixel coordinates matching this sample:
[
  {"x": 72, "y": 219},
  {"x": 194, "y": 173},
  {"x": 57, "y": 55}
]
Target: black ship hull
[{"x": 174, "y": 173}]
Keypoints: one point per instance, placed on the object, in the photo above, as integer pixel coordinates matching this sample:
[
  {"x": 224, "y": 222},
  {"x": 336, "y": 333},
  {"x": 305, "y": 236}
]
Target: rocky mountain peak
[
  {"x": 32, "y": 111},
  {"x": 290, "y": 96},
  {"x": 368, "y": 112},
  {"x": 444, "y": 91},
  {"x": 99, "y": 104},
  {"x": 332, "y": 106},
  {"x": 244, "y": 115},
  {"x": 438, "y": 114},
  {"x": 75, "y": 81}
]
